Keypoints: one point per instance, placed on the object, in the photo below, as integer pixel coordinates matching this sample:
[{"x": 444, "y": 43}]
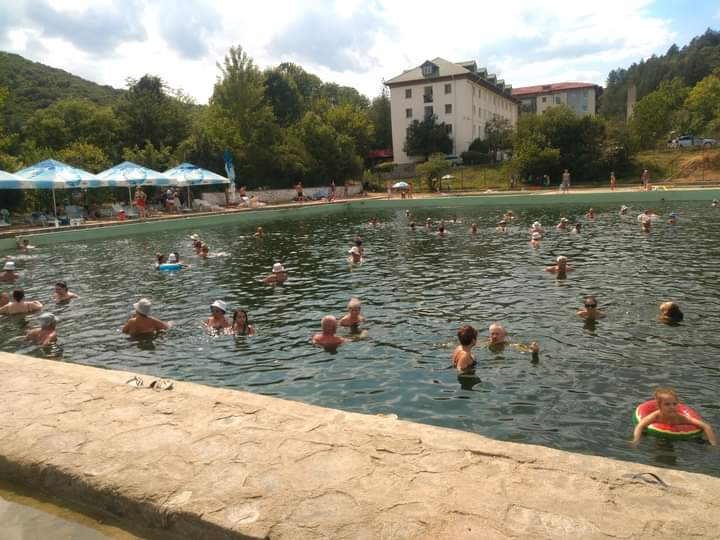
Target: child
[
  {"x": 463, "y": 358},
  {"x": 666, "y": 413},
  {"x": 353, "y": 317},
  {"x": 327, "y": 338},
  {"x": 670, "y": 313}
]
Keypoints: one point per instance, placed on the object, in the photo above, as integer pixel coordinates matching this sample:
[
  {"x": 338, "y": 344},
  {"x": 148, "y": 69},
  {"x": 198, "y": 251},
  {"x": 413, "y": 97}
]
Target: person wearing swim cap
[
  {"x": 9, "y": 274},
  {"x": 19, "y": 306},
  {"x": 47, "y": 332},
  {"x": 560, "y": 268},
  {"x": 278, "y": 276},
  {"x": 142, "y": 323},
  {"x": 327, "y": 338},
  {"x": 217, "y": 320}
]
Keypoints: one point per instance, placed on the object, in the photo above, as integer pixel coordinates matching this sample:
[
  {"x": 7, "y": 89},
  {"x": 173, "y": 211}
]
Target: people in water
[
  {"x": 278, "y": 276},
  {"x": 474, "y": 228},
  {"x": 196, "y": 242},
  {"x": 47, "y": 333},
  {"x": 672, "y": 218},
  {"x": 24, "y": 244},
  {"x": 204, "y": 251},
  {"x": 537, "y": 227},
  {"x": 498, "y": 340},
  {"x": 560, "y": 268},
  {"x": 501, "y": 226},
  {"x": 160, "y": 258},
  {"x": 259, "y": 233},
  {"x": 535, "y": 240},
  {"x": 441, "y": 230},
  {"x": 623, "y": 210},
  {"x": 19, "y": 306},
  {"x": 413, "y": 226},
  {"x": 327, "y": 338},
  {"x": 562, "y": 225},
  {"x": 590, "y": 214},
  {"x": 355, "y": 256},
  {"x": 670, "y": 313},
  {"x": 359, "y": 245},
  {"x": 375, "y": 221},
  {"x": 508, "y": 216},
  {"x": 590, "y": 310},
  {"x": 576, "y": 228},
  {"x": 667, "y": 402},
  {"x": 352, "y": 319},
  {"x": 63, "y": 294},
  {"x": 4, "y": 298},
  {"x": 217, "y": 320},
  {"x": 428, "y": 223},
  {"x": 715, "y": 203},
  {"x": 9, "y": 273},
  {"x": 463, "y": 358},
  {"x": 142, "y": 323},
  {"x": 240, "y": 323}
]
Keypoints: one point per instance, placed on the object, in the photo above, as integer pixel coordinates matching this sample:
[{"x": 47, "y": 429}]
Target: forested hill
[
  {"x": 692, "y": 63},
  {"x": 32, "y": 86}
]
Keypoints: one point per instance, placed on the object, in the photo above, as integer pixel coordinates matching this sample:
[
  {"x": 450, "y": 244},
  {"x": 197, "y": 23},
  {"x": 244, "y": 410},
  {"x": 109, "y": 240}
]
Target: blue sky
[{"x": 352, "y": 42}]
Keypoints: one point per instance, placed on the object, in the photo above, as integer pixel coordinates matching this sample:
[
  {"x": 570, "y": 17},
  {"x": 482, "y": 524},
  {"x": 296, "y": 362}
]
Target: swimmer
[
  {"x": 501, "y": 226},
  {"x": 142, "y": 322},
  {"x": 408, "y": 214},
  {"x": 473, "y": 228},
  {"x": 204, "y": 251},
  {"x": 535, "y": 240},
  {"x": 217, "y": 320},
  {"x": 590, "y": 214},
  {"x": 24, "y": 244},
  {"x": 428, "y": 223},
  {"x": 590, "y": 310},
  {"x": 160, "y": 259},
  {"x": 240, "y": 324},
  {"x": 8, "y": 274},
  {"x": 667, "y": 401},
  {"x": 561, "y": 267},
  {"x": 374, "y": 221},
  {"x": 278, "y": 276},
  {"x": 353, "y": 318},
  {"x": 19, "y": 305},
  {"x": 327, "y": 338},
  {"x": 670, "y": 313},
  {"x": 355, "y": 255},
  {"x": 562, "y": 226},
  {"x": 442, "y": 231},
  {"x": 412, "y": 226},
  {"x": 47, "y": 332},
  {"x": 259, "y": 233},
  {"x": 508, "y": 216},
  {"x": 715, "y": 203},
  {"x": 624, "y": 210},
  {"x": 576, "y": 228},
  {"x": 359, "y": 245},
  {"x": 62, "y": 294},
  {"x": 174, "y": 258},
  {"x": 537, "y": 227},
  {"x": 672, "y": 218},
  {"x": 463, "y": 358},
  {"x": 4, "y": 298},
  {"x": 499, "y": 340},
  {"x": 646, "y": 225}
]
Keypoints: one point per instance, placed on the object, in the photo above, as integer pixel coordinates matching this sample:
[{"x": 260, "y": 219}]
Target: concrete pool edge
[
  {"x": 268, "y": 213},
  {"x": 201, "y": 462}
]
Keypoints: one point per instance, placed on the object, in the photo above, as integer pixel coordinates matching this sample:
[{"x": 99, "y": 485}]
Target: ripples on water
[{"x": 416, "y": 290}]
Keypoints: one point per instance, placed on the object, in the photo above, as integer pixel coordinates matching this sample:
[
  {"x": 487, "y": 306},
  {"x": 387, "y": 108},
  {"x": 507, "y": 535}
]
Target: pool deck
[{"x": 201, "y": 462}]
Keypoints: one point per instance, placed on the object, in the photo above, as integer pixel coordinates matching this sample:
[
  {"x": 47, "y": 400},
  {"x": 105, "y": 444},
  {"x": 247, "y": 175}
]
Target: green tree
[
  {"x": 283, "y": 95},
  {"x": 427, "y": 137},
  {"x": 354, "y": 123},
  {"x": 159, "y": 159},
  {"x": 654, "y": 116},
  {"x": 433, "y": 169},
  {"x": 85, "y": 156},
  {"x": 379, "y": 114},
  {"x": 703, "y": 104}
]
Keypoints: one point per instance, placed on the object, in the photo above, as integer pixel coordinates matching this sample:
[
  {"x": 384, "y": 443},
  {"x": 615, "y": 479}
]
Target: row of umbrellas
[{"x": 52, "y": 174}]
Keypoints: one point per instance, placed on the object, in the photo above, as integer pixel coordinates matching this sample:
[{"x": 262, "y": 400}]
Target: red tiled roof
[{"x": 549, "y": 88}]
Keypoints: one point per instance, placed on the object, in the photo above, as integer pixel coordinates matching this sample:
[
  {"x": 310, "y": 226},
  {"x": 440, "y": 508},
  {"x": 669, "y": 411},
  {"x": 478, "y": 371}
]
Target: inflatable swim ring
[
  {"x": 680, "y": 431},
  {"x": 170, "y": 266}
]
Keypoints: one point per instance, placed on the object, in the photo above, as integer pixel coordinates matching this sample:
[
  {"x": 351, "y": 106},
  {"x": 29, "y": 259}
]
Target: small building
[
  {"x": 581, "y": 97},
  {"x": 461, "y": 95}
]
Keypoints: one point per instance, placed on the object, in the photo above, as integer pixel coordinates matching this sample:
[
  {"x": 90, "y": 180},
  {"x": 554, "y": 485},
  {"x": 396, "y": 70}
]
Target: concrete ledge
[{"x": 200, "y": 462}]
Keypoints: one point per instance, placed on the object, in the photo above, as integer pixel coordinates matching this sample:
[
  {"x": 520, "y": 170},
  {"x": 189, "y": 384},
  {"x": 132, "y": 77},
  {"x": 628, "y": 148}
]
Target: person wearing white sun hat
[
  {"x": 278, "y": 276},
  {"x": 217, "y": 320},
  {"x": 8, "y": 274},
  {"x": 142, "y": 322}
]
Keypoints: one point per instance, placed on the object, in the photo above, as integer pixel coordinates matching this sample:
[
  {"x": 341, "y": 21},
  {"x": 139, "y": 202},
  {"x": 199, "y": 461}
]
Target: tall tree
[
  {"x": 427, "y": 137},
  {"x": 654, "y": 115},
  {"x": 379, "y": 114}
]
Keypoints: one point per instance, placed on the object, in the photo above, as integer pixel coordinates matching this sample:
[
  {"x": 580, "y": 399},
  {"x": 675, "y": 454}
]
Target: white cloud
[{"x": 344, "y": 41}]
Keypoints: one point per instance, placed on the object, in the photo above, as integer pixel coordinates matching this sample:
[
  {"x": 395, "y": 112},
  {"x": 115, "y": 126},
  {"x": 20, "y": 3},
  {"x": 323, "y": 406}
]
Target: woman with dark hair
[
  {"x": 19, "y": 305},
  {"x": 240, "y": 324},
  {"x": 62, "y": 294}
]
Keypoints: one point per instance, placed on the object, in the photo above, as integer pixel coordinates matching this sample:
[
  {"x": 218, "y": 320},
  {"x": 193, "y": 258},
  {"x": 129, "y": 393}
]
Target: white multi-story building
[
  {"x": 580, "y": 97},
  {"x": 462, "y": 96}
]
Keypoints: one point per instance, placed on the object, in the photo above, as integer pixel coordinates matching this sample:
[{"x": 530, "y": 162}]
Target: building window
[
  {"x": 408, "y": 113},
  {"x": 448, "y": 108},
  {"x": 427, "y": 69},
  {"x": 557, "y": 100},
  {"x": 448, "y": 88},
  {"x": 544, "y": 99},
  {"x": 428, "y": 112},
  {"x": 408, "y": 93},
  {"x": 448, "y": 128},
  {"x": 428, "y": 94},
  {"x": 585, "y": 107}
]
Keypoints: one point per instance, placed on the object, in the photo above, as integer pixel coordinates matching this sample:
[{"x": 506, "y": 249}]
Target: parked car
[
  {"x": 688, "y": 141},
  {"x": 454, "y": 161}
]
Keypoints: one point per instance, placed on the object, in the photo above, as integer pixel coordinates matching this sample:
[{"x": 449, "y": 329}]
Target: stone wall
[{"x": 274, "y": 196}]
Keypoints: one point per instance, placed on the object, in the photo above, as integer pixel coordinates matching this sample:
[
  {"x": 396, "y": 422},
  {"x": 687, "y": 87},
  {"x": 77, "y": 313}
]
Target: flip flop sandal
[
  {"x": 135, "y": 381},
  {"x": 647, "y": 478},
  {"x": 162, "y": 384}
]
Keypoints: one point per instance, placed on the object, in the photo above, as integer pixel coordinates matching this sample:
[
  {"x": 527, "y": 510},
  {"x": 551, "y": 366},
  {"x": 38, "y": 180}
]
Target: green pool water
[{"x": 416, "y": 290}]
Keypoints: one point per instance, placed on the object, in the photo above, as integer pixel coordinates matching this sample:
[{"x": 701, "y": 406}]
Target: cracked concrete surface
[{"x": 200, "y": 462}]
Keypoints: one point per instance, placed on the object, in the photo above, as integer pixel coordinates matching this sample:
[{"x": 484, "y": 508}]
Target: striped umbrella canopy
[
  {"x": 52, "y": 174},
  {"x": 13, "y": 181},
  {"x": 128, "y": 174},
  {"x": 187, "y": 174}
]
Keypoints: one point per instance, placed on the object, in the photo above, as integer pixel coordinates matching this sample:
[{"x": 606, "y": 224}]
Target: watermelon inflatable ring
[{"x": 679, "y": 431}]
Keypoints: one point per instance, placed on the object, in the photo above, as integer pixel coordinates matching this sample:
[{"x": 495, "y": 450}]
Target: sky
[{"x": 350, "y": 42}]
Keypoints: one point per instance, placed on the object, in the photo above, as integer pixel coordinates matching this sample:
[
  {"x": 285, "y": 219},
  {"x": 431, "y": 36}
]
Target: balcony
[{"x": 427, "y": 98}]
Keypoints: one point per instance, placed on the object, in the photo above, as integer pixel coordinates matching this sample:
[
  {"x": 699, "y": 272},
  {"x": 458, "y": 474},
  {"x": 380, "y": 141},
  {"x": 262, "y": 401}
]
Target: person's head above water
[
  {"x": 665, "y": 395},
  {"x": 328, "y": 325},
  {"x": 670, "y": 311},
  {"x": 47, "y": 320},
  {"x": 562, "y": 262},
  {"x": 497, "y": 333},
  {"x": 9, "y": 266},
  {"x": 18, "y": 295},
  {"x": 142, "y": 307},
  {"x": 467, "y": 335}
]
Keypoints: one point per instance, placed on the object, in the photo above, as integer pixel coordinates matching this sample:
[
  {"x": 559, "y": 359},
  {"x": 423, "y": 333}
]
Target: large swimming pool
[{"x": 416, "y": 290}]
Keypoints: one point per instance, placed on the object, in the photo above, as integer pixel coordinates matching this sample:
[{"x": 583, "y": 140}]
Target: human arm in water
[{"x": 644, "y": 423}]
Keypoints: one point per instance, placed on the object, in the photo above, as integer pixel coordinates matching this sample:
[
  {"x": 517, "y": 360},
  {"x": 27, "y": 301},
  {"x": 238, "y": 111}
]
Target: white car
[{"x": 688, "y": 141}]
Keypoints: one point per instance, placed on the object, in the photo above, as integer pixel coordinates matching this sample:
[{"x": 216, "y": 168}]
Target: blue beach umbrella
[
  {"x": 52, "y": 174},
  {"x": 13, "y": 181},
  {"x": 129, "y": 174},
  {"x": 187, "y": 174}
]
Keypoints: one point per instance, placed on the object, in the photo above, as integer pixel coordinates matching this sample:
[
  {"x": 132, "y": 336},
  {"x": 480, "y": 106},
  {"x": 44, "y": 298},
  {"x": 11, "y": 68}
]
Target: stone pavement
[{"x": 200, "y": 462}]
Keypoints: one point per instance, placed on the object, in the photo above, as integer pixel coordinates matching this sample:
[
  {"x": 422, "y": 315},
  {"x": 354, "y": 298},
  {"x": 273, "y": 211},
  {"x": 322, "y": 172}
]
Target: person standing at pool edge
[
  {"x": 667, "y": 401},
  {"x": 142, "y": 322},
  {"x": 565, "y": 185}
]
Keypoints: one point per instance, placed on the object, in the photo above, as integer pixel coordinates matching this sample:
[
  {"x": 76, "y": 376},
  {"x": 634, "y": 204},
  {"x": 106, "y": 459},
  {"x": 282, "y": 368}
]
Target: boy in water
[
  {"x": 463, "y": 358},
  {"x": 353, "y": 317},
  {"x": 667, "y": 401},
  {"x": 327, "y": 338}
]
